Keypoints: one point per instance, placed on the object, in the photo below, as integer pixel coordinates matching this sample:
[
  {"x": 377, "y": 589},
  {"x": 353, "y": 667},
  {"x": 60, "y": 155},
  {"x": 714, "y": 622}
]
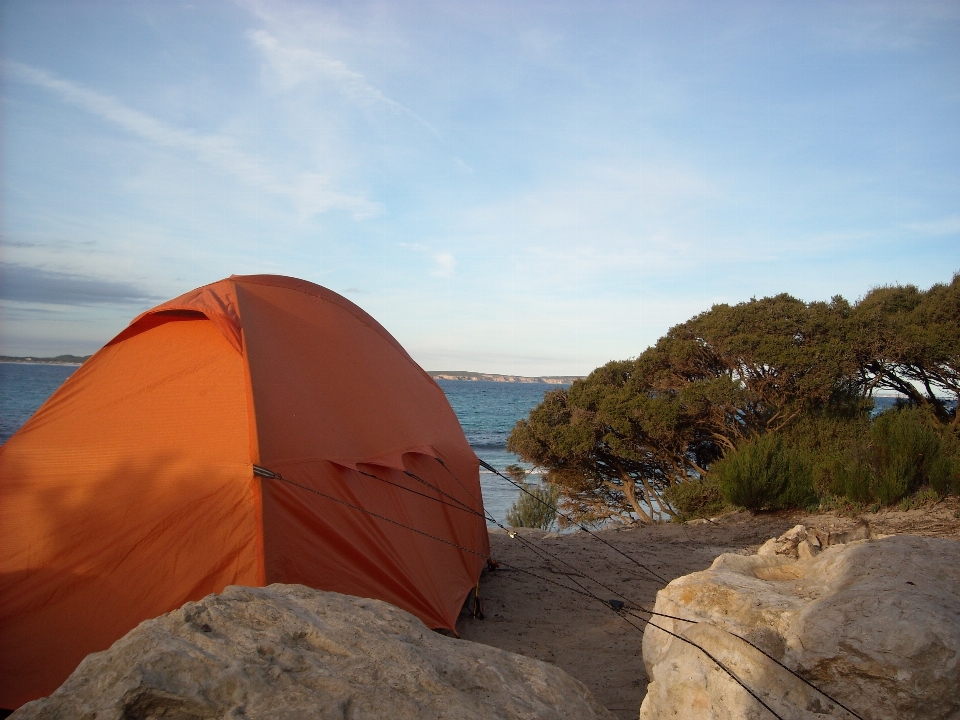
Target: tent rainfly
[{"x": 145, "y": 480}]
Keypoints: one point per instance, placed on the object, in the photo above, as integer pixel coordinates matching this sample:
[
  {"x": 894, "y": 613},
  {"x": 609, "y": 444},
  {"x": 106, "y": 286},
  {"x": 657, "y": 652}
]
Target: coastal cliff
[
  {"x": 465, "y": 375},
  {"x": 58, "y": 360}
]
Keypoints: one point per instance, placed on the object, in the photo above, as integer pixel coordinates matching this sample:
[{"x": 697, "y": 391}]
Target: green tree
[
  {"x": 907, "y": 340},
  {"x": 618, "y": 441}
]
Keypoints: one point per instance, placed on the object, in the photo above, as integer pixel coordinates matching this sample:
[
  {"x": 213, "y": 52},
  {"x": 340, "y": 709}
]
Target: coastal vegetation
[
  {"x": 536, "y": 507},
  {"x": 767, "y": 404}
]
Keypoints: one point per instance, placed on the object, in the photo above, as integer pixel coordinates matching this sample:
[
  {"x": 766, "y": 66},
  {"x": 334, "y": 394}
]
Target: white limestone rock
[
  {"x": 290, "y": 652},
  {"x": 874, "y": 623},
  {"x": 795, "y": 534},
  {"x": 806, "y": 550},
  {"x": 805, "y": 542},
  {"x": 769, "y": 548}
]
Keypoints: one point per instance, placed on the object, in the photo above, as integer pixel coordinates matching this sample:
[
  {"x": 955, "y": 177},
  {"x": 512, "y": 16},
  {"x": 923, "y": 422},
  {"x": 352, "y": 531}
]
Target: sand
[{"x": 534, "y": 617}]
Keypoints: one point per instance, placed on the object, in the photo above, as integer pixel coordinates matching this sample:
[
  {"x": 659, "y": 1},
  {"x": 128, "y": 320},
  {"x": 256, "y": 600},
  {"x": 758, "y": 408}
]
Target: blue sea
[
  {"x": 23, "y": 388},
  {"x": 487, "y": 412}
]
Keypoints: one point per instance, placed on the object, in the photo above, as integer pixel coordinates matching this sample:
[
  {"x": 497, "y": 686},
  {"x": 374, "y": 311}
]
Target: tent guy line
[
  {"x": 755, "y": 647},
  {"x": 637, "y": 606},
  {"x": 460, "y": 507},
  {"x": 631, "y": 609},
  {"x": 566, "y": 517},
  {"x": 270, "y": 475},
  {"x": 454, "y": 476},
  {"x": 542, "y": 553},
  {"x": 622, "y": 612},
  {"x": 264, "y": 473}
]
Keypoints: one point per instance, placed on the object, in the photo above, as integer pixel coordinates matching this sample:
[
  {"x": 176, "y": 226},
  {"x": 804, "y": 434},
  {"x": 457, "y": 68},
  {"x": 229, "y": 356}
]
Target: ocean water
[
  {"x": 487, "y": 412},
  {"x": 23, "y": 388}
]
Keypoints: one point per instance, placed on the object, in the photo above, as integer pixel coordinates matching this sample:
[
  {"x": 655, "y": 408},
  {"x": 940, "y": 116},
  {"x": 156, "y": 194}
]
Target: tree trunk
[{"x": 630, "y": 492}]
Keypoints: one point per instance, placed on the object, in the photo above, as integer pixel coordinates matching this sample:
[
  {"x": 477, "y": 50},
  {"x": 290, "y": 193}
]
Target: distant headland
[
  {"x": 435, "y": 374},
  {"x": 58, "y": 360},
  {"x": 465, "y": 375}
]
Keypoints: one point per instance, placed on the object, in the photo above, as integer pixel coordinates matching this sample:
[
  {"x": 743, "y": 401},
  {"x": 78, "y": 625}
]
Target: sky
[{"x": 514, "y": 187}]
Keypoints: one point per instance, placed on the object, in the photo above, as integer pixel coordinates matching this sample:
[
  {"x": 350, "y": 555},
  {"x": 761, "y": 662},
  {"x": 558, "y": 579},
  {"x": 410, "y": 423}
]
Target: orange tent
[{"x": 134, "y": 488}]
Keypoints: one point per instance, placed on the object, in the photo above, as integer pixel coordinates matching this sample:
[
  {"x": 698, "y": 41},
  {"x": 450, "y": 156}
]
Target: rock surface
[
  {"x": 873, "y": 623},
  {"x": 287, "y": 651},
  {"x": 805, "y": 542}
]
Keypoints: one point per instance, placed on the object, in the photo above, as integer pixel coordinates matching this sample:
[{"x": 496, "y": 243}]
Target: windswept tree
[
  {"x": 606, "y": 442},
  {"x": 908, "y": 341},
  {"x": 617, "y": 440}
]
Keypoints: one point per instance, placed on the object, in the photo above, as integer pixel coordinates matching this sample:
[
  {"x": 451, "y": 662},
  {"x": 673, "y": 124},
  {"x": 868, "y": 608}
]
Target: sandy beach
[{"x": 534, "y": 617}]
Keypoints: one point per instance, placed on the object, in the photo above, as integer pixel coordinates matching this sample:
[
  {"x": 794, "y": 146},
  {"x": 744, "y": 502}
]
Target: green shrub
[
  {"x": 944, "y": 470},
  {"x": 695, "y": 498},
  {"x": 894, "y": 479},
  {"x": 826, "y": 440},
  {"x": 904, "y": 445},
  {"x": 766, "y": 474},
  {"x": 852, "y": 475},
  {"x": 944, "y": 473},
  {"x": 535, "y": 508},
  {"x": 844, "y": 458},
  {"x": 919, "y": 499},
  {"x": 903, "y": 451}
]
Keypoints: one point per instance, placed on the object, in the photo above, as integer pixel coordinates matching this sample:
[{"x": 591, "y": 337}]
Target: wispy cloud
[
  {"x": 295, "y": 65},
  {"x": 596, "y": 219},
  {"x": 444, "y": 263},
  {"x": 943, "y": 226},
  {"x": 29, "y": 284},
  {"x": 885, "y": 25},
  {"x": 311, "y": 193}
]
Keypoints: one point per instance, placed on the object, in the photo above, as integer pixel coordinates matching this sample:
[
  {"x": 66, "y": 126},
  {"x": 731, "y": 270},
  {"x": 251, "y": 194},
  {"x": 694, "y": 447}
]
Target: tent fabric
[{"x": 131, "y": 490}]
